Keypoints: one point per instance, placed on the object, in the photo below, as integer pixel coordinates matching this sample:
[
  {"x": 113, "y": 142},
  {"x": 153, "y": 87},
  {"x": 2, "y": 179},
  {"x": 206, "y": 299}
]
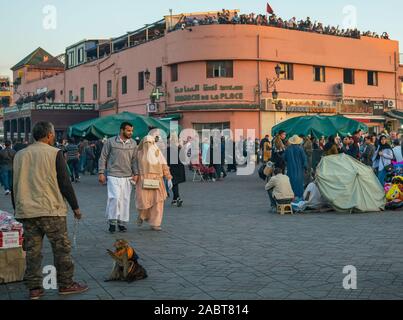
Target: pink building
[
  {"x": 218, "y": 75},
  {"x": 39, "y": 95}
]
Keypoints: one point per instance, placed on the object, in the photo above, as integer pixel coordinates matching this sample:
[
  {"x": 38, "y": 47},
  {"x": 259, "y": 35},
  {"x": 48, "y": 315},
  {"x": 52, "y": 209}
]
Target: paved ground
[{"x": 223, "y": 244}]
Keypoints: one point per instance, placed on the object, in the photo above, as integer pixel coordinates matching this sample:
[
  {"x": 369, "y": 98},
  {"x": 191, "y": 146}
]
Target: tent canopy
[
  {"x": 349, "y": 185},
  {"x": 109, "y": 126},
  {"x": 318, "y": 126}
]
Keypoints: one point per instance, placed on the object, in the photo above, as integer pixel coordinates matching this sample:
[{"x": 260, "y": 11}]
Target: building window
[
  {"x": 95, "y": 92},
  {"x": 287, "y": 71},
  {"x": 319, "y": 74},
  {"x": 82, "y": 92},
  {"x": 109, "y": 88},
  {"x": 401, "y": 85},
  {"x": 81, "y": 55},
  {"x": 124, "y": 85},
  {"x": 348, "y": 76},
  {"x": 174, "y": 72},
  {"x": 158, "y": 77},
  {"x": 141, "y": 80},
  {"x": 71, "y": 58},
  {"x": 220, "y": 69},
  {"x": 372, "y": 78},
  {"x": 71, "y": 96}
]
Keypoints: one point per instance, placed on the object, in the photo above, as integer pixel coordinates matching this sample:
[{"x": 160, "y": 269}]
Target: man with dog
[{"x": 39, "y": 196}]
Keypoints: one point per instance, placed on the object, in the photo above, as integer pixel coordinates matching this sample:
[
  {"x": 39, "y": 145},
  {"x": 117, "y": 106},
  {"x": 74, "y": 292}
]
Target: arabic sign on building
[
  {"x": 208, "y": 92},
  {"x": 305, "y": 106}
]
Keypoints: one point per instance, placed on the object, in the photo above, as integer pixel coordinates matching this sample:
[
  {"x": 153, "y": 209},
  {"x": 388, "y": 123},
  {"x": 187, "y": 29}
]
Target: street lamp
[
  {"x": 278, "y": 70},
  {"x": 147, "y": 74},
  {"x": 274, "y": 94}
]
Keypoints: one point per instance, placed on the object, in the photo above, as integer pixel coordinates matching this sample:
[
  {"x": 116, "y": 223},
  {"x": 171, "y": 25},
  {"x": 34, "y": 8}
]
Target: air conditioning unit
[
  {"x": 391, "y": 104},
  {"x": 267, "y": 104},
  {"x": 339, "y": 90},
  {"x": 152, "y": 107}
]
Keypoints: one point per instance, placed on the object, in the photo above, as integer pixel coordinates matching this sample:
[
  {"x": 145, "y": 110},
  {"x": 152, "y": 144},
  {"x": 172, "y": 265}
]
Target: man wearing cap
[{"x": 297, "y": 163}]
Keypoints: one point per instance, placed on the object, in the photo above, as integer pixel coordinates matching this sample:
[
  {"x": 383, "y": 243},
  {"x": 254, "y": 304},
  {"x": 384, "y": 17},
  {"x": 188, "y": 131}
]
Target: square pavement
[{"x": 224, "y": 244}]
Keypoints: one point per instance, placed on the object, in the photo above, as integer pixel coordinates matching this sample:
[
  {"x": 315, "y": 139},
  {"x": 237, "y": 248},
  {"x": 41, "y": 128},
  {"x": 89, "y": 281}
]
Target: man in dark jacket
[
  {"x": 6, "y": 166},
  {"x": 19, "y": 145},
  {"x": 177, "y": 170}
]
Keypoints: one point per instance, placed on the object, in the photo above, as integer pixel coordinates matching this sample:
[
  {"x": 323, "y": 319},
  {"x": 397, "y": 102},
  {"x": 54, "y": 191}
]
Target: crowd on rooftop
[{"x": 226, "y": 17}]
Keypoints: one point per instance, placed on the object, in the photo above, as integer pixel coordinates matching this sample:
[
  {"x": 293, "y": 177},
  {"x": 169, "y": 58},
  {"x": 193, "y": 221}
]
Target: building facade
[
  {"x": 219, "y": 75},
  {"x": 39, "y": 91}
]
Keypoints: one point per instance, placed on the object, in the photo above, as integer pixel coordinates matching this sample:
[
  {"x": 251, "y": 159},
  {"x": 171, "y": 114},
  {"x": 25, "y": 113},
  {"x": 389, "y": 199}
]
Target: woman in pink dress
[{"x": 150, "y": 191}]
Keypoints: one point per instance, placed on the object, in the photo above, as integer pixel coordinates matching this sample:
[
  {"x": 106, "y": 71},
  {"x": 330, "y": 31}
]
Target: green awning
[
  {"x": 395, "y": 114},
  {"x": 318, "y": 126},
  {"x": 171, "y": 117},
  {"x": 109, "y": 126},
  {"x": 107, "y": 105}
]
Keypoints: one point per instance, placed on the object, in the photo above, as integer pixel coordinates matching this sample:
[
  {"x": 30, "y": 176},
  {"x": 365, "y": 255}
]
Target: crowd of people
[
  {"x": 225, "y": 17},
  {"x": 295, "y": 156},
  {"x": 40, "y": 196}
]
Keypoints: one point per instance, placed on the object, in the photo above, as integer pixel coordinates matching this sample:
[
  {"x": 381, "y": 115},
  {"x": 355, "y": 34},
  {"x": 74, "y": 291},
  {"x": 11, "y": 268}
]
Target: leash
[{"x": 75, "y": 232}]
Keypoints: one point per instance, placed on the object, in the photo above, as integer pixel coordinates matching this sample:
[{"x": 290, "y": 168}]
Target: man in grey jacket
[{"x": 119, "y": 159}]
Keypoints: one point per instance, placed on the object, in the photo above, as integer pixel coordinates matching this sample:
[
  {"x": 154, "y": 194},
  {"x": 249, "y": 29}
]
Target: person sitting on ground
[
  {"x": 312, "y": 197},
  {"x": 279, "y": 189}
]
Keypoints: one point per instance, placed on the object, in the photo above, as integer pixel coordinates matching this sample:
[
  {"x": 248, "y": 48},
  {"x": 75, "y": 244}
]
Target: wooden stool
[{"x": 284, "y": 208}]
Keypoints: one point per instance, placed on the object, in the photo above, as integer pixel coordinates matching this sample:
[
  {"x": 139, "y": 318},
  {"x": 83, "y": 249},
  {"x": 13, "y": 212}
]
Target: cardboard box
[
  {"x": 12, "y": 265},
  {"x": 10, "y": 239}
]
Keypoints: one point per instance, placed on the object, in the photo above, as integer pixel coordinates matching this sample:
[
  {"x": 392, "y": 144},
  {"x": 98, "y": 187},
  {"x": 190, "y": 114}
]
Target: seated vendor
[
  {"x": 312, "y": 197},
  {"x": 279, "y": 189}
]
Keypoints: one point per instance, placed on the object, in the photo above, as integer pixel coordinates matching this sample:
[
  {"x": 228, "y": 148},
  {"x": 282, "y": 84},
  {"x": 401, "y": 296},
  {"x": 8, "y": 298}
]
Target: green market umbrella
[
  {"x": 109, "y": 126},
  {"x": 318, "y": 126}
]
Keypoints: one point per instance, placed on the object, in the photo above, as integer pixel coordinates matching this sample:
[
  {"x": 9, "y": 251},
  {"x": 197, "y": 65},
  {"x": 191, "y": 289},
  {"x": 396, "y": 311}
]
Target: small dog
[{"x": 126, "y": 267}]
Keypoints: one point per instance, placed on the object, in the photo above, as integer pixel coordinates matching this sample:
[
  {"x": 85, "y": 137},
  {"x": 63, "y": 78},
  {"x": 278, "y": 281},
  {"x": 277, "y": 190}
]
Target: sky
[{"x": 56, "y": 24}]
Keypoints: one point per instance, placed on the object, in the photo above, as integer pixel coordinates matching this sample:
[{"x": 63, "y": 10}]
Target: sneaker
[
  {"x": 73, "y": 289},
  {"x": 174, "y": 203},
  {"x": 156, "y": 228},
  {"x": 139, "y": 222},
  {"x": 122, "y": 229},
  {"x": 179, "y": 202},
  {"x": 35, "y": 294},
  {"x": 112, "y": 228},
  {"x": 7, "y": 192}
]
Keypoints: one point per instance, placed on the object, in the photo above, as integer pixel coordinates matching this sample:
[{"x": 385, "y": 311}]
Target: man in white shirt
[{"x": 313, "y": 198}]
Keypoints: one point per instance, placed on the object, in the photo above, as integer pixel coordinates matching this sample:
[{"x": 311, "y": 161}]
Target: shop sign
[
  {"x": 378, "y": 108},
  {"x": 66, "y": 106},
  {"x": 208, "y": 93},
  {"x": 16, "y": 108},
  {"x": 311, "y": 109}
]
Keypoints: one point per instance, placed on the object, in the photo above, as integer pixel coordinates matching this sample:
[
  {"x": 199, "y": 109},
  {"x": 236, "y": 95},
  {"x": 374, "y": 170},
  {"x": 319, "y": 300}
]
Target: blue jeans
[
  {"x": 5, "y": 177},
  {"x": 83, "y": 163},
  {"x": 381, "y": 176}
]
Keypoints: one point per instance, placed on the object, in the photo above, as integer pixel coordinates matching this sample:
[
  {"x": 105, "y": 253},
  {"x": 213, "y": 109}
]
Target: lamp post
[
  {"x": 156, "y": 94},
  {"x": 271, "y": 83}
]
